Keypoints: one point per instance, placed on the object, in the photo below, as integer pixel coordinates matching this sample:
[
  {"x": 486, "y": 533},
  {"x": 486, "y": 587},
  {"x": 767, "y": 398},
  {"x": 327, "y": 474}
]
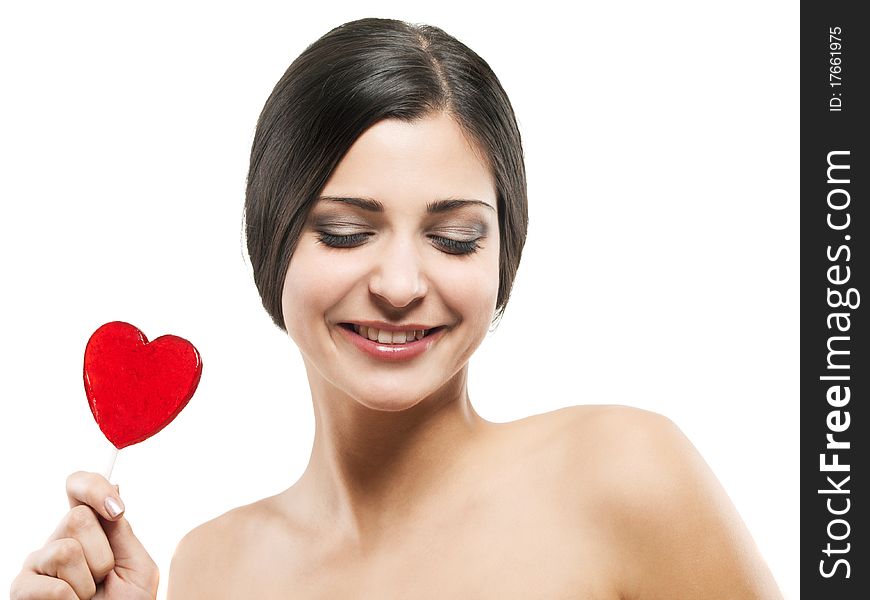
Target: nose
[{"x": 399, "y": 279}]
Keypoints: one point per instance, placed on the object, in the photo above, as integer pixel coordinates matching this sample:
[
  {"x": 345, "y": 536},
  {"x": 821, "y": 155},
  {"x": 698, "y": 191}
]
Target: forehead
[{"x": 403, "y": 163}]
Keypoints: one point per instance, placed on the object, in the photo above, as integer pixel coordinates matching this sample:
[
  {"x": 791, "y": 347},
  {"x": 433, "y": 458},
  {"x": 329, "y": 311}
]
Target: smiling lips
[
  {"x": 389, "y": 337},
  {"x": 395, "y": 343}
]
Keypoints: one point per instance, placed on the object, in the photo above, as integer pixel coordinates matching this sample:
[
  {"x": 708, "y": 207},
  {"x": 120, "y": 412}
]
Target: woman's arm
[
  {"x": 184, "y": 571},
  {"x": 680, "y": 535},
  {"x": 201, "y": 567}
]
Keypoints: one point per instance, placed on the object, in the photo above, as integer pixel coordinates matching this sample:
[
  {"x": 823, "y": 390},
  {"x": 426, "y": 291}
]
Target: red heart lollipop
[{"x": 136, "y": 387}]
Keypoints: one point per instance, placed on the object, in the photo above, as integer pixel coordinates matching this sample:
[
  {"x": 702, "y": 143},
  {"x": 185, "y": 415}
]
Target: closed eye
[
  {"x": 452, "y": 246},
  {"x": 342, "y": 241},
  {"x": 446, "y": 245}
]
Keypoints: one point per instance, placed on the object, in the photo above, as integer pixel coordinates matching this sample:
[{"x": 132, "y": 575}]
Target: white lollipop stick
[{"x": 108, "y": 472}]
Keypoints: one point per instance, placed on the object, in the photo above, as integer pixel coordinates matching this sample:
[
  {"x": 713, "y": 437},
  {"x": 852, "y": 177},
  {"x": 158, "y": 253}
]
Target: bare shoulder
[
  {"x": 632, "y": 460},
  {"x": 639, "y": 481},
  {"x": 606, "y": 440},
  {"x": 207, "y": 560}
]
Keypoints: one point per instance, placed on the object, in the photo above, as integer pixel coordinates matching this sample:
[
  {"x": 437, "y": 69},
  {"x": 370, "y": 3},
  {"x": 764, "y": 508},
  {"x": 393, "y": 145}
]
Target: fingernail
[{"x": 114, "y": 507}]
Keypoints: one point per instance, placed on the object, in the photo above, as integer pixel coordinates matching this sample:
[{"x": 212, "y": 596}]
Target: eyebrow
[{"x": 438, "y": 206}]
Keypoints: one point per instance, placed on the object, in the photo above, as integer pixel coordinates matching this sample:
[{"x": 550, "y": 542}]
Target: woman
[{"x": 386, "y": 216}]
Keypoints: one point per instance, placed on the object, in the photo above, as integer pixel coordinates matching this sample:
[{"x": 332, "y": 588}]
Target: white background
[{"x": 661, "y": 268}]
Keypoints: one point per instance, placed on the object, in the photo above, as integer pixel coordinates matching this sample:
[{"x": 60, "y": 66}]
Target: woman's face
[{"x": 404, "y": 238}]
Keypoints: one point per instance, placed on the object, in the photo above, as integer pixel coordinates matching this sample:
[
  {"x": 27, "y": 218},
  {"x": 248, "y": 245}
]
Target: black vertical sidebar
[{"x": 835, "y": 300}]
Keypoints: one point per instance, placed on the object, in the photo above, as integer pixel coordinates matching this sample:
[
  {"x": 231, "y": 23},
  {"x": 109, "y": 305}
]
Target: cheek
[
  {"x": 472, "y": 287},
  {"x": 314, "y": 283}
]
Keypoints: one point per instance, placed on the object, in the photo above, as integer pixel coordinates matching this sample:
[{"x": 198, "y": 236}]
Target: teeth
[{"x": 388, "y": 337}]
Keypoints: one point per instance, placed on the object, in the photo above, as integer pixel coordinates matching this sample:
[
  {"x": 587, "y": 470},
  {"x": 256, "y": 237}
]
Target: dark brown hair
[{"x": 354, "y": 76}]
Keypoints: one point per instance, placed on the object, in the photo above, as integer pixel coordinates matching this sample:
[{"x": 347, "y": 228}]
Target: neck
[{"x": 370, "y": 471}]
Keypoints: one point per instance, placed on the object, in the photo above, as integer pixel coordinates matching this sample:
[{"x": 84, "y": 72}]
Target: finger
[
  {"x": 95, "y": 491},
  {"x": 81, "y": 523},
  {"x": 129, "y": 553},
  {"x": 33, "y": 586},
  {"x": 64, "y": 559}
]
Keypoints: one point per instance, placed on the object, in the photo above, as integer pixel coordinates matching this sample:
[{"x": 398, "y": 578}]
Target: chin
[
  {"x": 388, "y": 398},
  {"x": 388, "y": 404}
]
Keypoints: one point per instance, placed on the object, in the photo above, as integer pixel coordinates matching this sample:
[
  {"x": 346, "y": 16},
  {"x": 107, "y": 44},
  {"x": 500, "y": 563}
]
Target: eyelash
[{"x": 451, "y": 246}]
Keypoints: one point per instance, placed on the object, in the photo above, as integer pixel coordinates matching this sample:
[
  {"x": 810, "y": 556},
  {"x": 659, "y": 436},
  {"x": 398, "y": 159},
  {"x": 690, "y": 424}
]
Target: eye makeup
[
  {"x": 446, "y": 244},
  {"x": 328, "y": 232},
  {"x": 453, "y": 235}
]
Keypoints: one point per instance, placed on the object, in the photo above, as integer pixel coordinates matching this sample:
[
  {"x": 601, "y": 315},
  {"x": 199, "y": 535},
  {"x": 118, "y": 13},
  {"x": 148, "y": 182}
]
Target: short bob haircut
[{"x": 354, "y": 76}]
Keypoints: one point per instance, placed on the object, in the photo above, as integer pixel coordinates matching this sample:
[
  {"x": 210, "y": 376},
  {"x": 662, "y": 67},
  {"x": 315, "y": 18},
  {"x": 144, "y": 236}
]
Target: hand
[{"x": 92, "y": 553}]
